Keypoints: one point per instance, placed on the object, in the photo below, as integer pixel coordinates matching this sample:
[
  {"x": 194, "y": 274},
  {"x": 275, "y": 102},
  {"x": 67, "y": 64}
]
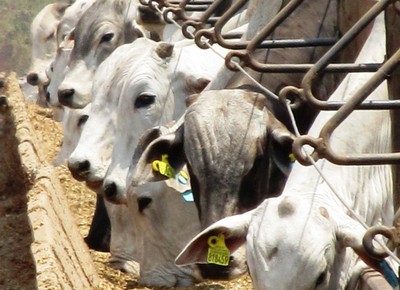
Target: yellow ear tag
[
  {"x": 163, "y": 166},
  {"x": 218, "y": 253},
  {"x": 292, "y": 158}
]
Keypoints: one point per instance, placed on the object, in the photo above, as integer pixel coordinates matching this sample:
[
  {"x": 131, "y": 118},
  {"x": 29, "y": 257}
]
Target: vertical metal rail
[{"x": 392, "y": 19}]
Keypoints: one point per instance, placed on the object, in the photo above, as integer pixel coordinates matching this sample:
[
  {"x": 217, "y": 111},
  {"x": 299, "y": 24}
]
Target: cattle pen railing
[{"x": 242, "y": 54}]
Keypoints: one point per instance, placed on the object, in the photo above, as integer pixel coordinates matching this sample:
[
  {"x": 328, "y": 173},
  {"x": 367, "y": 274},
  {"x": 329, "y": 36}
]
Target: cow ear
[
  {"x": 351, "y": 236},
  {"x": 133, "y": 31},
  {"x": 59, "y": 9},
  {"x": 170, "y": 145},
  {"x": 234, "y": 230},
  {"x": 196, "y": 85},
  {"x": 68, "y": 42},
  {"x": 281, "y": 143}
]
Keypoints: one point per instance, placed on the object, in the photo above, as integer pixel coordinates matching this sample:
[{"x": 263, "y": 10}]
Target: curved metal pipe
[
  {"x": 368, "y": 238},
  {"x": 323, "y": 63}
]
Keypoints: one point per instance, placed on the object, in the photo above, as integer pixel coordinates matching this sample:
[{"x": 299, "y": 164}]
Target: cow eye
[
  {"x": 144, "y": 100},
  {"x": 143, "y": 202},
  {"x": 321, "y": 279},
  {"x": 107, "y": 37},
  {"x": 49, "y": 71},
  {"x": 82, "y": 120},
  {"x": 50, "y": 36}
]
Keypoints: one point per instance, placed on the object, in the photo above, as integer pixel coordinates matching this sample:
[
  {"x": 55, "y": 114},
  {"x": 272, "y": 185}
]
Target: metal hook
[
  {"x": 292, "y": 94},
  {"x": 231, "y": 64},
  {"x": 204, "y": 38},
  {"x": 369, "y": 237}
]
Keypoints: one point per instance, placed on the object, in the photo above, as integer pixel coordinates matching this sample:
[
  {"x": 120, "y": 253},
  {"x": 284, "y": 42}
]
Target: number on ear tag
[
  {"x": 163, "y": 167},
  {"x": 218, "y": 253}
]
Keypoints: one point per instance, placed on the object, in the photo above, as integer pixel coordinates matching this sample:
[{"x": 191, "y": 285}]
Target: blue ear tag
[
  {"x": 183, "y": 177},
  {"x": 188, "y": 196}
]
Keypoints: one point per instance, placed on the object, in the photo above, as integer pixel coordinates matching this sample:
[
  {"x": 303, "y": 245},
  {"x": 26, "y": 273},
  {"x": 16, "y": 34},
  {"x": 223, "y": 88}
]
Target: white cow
[
  {"x": 91, "y": 157},
  {"x": 155, "y": 94},
  {"x": 56, "y": 72},
  {"x": 140, "y": 87},
  {"x": 58, "y": 68},
  {"x": 164, "y": 216},
  {"x": 100, "y": 30},
  {"x": 44, "y": 45},
  {"x": 165, "y": 223},
  {"x": 300, "y": 239},
  {"x": 71, "y": 17}
]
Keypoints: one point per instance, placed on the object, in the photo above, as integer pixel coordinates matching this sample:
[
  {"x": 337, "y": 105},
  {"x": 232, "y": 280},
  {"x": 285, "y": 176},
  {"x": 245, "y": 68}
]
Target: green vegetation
[{"x": 15, "y": 21}]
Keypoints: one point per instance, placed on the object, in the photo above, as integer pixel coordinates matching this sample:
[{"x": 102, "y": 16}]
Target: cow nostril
[
  {"x": 65, "y": 96},
  {"x": 83, "y": 166},
  {"x": 48, "y": 97},
  {"x": 110, "y": 190},
  {"x": 32, "y": 79},
  {"x": 80, "y": 168}
]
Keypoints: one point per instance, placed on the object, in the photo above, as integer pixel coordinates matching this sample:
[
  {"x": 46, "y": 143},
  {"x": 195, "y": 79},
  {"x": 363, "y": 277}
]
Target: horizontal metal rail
[
  {"x": 216, "y": 35},
  {"x": 297, "y": 68}
]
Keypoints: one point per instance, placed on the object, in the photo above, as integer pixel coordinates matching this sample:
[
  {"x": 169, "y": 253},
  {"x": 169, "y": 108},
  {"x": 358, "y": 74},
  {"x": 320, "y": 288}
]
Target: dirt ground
[{"x": 82, "y": 202}]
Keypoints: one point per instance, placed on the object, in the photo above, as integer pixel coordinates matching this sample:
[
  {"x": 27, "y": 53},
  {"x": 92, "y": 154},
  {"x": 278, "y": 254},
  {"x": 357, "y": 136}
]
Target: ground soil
[{"x": 14, "y": 223}]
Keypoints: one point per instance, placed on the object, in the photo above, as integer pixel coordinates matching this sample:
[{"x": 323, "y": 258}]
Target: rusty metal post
[{"x": 392, "y": 19}]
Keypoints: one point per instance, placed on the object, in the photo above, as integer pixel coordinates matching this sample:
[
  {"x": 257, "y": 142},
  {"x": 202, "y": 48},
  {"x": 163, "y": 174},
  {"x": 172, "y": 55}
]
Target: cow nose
[
  {"x": 32, "y": 79},
  {"x": 48, "y": 97},
  {"x": 80, "y": 169},
  {"x": 65, "y": 96},
  {"x": 110, "y": 191}
]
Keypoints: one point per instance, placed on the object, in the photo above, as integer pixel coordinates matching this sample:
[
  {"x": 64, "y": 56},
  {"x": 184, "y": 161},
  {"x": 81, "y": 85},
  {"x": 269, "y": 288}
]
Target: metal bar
[
  {"x": 195, "y": 8},
  {"x": 244, "y": 54},
  {"x": 323, "y": 62},
  {"x": 301, "y": 68},
  {"x": 198, "y": 24},
  {"x": 215, "y": 36},
  {"x": 192, "y": 2},
  {"x": 277, "y": 43},
  {"x": 321, "y": 145},
  {"x": 273, "y": 24}
]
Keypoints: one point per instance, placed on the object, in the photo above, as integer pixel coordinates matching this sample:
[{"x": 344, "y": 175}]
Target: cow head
[
  {"x": 91, "y": 157},
  {"x": 56, "y": 72},
  {"x": 44, "y": 45},
  {"x": 154, "y": 94},
  {"x": 290, "y": 245},
  {"x": 228, "y": 138},
  {"x": 230, "y": 142},
  {"x": 73, "y": 123},
  {"x": 165, "y": 222},
  {"x": 100, "y": 30}
]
